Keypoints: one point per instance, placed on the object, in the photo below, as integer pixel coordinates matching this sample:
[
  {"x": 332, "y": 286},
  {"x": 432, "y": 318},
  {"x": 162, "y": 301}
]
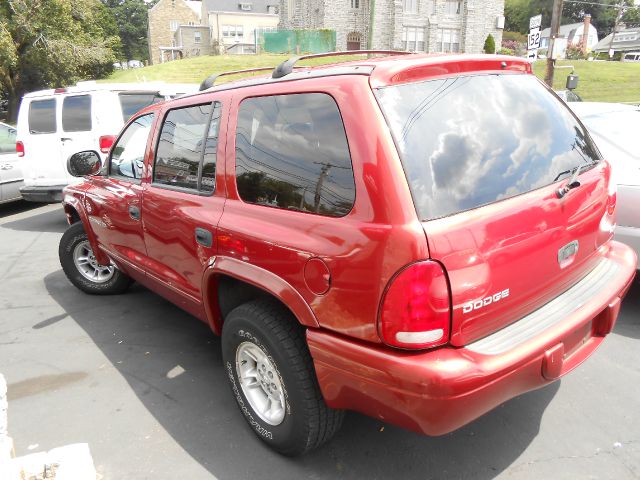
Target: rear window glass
[
  {"x": 42, "y": 116},
  {"x": 132, "y": 103},
  {"x": 7, "y": 139},
  {"x": 76, "y": 113},
  {"x": 473, "y": 140},
  {"x": 292, "y": 153}
]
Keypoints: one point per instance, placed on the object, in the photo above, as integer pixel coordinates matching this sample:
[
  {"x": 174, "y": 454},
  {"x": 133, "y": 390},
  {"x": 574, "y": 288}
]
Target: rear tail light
[
  {"x": 20, "y": 149},
  {"x": 106, "y": 141},
  {"x": 415, "y": 311}
]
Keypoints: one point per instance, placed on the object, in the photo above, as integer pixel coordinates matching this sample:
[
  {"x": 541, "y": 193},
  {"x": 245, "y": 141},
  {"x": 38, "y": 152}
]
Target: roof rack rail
[
  {"x": 211, "y": 79},
  {"x": 286, "y": 67}
]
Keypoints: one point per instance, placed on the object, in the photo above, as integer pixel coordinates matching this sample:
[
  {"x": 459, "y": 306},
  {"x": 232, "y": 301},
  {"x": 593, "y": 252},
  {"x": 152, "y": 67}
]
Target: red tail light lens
[
  {"x": 20, "y": 149},
  {"x": 416, "y": 310},
  {"x": 106, "y": 141}
]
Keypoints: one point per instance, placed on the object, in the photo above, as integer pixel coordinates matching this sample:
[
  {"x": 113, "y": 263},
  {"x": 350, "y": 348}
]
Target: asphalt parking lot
[{"x": 142, "y": 383}]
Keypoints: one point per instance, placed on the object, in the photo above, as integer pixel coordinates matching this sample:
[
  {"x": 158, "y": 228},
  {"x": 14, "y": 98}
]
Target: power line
[{"x": 598, "y": 4}]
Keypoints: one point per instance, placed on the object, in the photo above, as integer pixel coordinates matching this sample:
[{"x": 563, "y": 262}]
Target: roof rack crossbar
[
  {"x": 211, "y": 79},
  {"x": 286, "y": 67}
]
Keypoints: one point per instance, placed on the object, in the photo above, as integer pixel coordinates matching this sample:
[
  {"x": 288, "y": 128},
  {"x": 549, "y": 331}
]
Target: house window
[
  {"x": 233, "y": 31},
  {"x": 413, "y": 39},
  {"x": 410, "y": 6},
  {"x": 452, "y": 7},
  {"x": 173, "y": 25},
  {"x": 355, "y": 3},
  {"x": 291, "y": 8},
  {"x": 448, "y": 40},
  {"x": 197, "y": 37}
]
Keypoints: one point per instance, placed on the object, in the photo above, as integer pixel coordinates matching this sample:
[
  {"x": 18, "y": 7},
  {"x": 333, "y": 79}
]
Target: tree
[
  {"x": 47, "y": 43},
  {"x": 489, "y": 45},
  {"x": 132, "y": 20}
]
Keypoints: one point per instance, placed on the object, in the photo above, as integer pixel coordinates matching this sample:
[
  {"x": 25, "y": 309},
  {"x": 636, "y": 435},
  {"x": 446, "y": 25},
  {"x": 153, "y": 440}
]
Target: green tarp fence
[{"x": 298, "y": 41}]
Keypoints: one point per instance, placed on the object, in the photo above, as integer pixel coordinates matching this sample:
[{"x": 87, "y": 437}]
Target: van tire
[
  {"x": 268, "y": 333},
  {"x": 81, "y": 268}
]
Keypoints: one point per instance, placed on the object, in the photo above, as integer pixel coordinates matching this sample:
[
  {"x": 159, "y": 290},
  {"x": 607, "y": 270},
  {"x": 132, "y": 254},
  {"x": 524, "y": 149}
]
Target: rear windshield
[
  {"x": 472, "y": 140},
  {"x": 132, "y": 103}
]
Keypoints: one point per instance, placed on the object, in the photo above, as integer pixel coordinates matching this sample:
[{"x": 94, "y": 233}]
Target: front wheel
[
  {"x": 273, "y": 380},
  {"x": 82, "y": 269}
]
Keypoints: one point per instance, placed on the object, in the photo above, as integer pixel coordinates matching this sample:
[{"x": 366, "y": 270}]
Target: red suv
[{"x": 417, "y": 238}]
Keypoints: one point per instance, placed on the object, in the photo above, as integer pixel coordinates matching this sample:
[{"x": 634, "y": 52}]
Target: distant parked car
[
  {"x": 54, "y": 124},
  {"x": 135, "y": 64},
  {"x": 569, "y": 96},
  {"x": 615, "y": 127},
  {"x": 10, "y": 172}
]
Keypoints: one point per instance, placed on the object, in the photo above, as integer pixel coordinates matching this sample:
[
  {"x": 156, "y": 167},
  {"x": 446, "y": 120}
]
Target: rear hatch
[{"x": 485, "y": 156}]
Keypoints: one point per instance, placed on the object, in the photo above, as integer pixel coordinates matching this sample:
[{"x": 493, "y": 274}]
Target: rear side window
[
  {"x": 132, "y": 103},
  {"x": 292, "y": 153},
  {"x": 186, "y": 153},
  {"x": 76, "y": 113},
  {"x": 470, "y": 141},
  {"x": 42, "y": 116},
  {"x": 7, "y": 139}
]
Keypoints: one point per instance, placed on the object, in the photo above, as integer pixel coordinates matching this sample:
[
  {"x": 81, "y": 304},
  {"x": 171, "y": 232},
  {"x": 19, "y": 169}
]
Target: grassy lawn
[{"x": 599, "y": 81}]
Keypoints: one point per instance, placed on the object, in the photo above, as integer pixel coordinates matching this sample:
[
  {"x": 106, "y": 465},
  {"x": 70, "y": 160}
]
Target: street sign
[
  {"x": 532, "y": 55},
  {"x": 535, "y": 22},
  {"x": 533, "y": 39}
]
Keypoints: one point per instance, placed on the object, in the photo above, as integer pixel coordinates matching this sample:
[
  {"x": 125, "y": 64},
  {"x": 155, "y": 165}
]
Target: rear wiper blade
[{"x": 572, "y": 183}]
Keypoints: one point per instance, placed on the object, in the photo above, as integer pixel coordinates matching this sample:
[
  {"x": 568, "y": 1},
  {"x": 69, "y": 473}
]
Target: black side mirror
[{"x": 84, "y": 163}]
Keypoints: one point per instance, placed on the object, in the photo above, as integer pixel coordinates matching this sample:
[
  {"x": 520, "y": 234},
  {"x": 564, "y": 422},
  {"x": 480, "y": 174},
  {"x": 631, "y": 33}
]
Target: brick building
[
  {"x": 176, "y": 31},
  {"x": 416, "y": 25}
]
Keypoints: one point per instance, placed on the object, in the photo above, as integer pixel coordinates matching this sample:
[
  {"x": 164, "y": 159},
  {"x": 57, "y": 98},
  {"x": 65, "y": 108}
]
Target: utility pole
[
  {"x": 556, "y": 17},
  {"x": 615, "y": 28}
]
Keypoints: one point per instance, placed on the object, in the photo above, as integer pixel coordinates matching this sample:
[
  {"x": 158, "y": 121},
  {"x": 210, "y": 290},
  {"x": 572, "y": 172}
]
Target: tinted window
[
  {"x": 42, "y": 116},
  {"x": 127, "y": 157},
  {"x": 208, "y": 182},
  {"x": 76, "y": 114},
  {"x": 470, "y": 141},
  {"x": 292, "y": 152},
  {"x": 132, "y": 103},
  {"x": 180, "y": 149},
  {"x": 7, "y": 139}
]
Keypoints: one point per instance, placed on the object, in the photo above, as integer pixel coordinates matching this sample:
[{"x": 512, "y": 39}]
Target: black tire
[
  {"x": 308, "y": 422},
  {"x": 75, "y": 237}
]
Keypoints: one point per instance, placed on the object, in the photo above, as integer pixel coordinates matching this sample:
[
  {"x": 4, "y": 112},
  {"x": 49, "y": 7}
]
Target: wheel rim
[
  {"x": 87, "y": 265},
  {"x": 260, "y": 383}
]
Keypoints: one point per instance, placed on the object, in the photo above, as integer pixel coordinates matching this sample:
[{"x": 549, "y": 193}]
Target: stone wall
[
  {"x": 160, "y": 17},
  {"x": 186, "y": 37}
]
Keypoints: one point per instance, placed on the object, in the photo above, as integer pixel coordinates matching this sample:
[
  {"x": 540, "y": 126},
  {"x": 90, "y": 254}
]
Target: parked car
[
  {"x": 569, "y": 95},
  {"x": 379, "y": 236},
  {"x": 615, "y": 127},
  {"x": 10, "y": 171},
  {"x": 53, "y": 124}
]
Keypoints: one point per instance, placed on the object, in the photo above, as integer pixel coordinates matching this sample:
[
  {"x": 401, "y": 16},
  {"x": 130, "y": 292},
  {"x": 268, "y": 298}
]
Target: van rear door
[{"x": 78, "y": 131}]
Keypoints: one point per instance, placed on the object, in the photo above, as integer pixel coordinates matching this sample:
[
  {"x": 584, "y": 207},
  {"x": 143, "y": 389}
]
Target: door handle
[
  {"x": 134, "y": 212},
  {"x": 204, "y": 237},
  {"x": 64, "y": 139}
]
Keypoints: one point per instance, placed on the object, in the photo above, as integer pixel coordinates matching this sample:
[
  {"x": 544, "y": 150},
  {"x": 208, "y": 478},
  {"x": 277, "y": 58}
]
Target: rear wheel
[
  {"x": 273, "y": 380},
  {"x": 82, "y": 269}
]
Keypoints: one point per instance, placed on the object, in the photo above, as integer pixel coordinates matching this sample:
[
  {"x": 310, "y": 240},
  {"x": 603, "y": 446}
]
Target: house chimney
[{"x": 585, "y": 33}]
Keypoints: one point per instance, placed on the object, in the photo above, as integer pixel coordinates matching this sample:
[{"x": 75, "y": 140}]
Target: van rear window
[
  {"x": 132, "y": 103},
  {"x": 42, "y": 116},
  {"x": 468, "y": 141},
  {"x": 76, "y": 113}
]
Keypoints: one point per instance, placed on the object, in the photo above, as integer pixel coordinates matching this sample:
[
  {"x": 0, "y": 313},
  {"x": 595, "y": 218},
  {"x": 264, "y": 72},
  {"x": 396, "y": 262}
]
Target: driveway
[{"x": 142, "y": 383}]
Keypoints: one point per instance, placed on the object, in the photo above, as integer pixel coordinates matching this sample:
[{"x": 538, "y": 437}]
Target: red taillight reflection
[
  {"x": 20, "y": 149},
  {"x": 415, "y": 312},
  {"x": 106, "y": 141}
]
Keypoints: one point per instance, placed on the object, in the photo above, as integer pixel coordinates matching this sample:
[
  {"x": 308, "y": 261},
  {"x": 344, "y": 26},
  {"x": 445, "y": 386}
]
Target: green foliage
[
  {"x": 489, "y": 45},
  {"x": 131, "y": 20},
  {"x": 574, "y": 52},
  {"x": 46, "y": 43},
  {"x": 506, "y": 51},
  {"x": 514, "y": 36}
]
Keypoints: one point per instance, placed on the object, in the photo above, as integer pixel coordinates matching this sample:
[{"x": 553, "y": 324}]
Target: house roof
[
  {"x": 626, "y": 40},
  {"x": 196, "y": 6},
  {"x": 565, "y": 30},
  {"x": 257, "y": 6}
]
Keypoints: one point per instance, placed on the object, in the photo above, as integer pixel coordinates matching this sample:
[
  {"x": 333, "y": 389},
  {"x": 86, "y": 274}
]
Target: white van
[{"x": 54, "y": 124}]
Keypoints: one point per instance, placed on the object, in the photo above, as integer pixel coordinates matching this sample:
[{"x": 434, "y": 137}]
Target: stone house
[
  {"x": 176, "y": 31},
  {"x": 234, "y": 23},
  {"x": 417, "y": 25}
]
